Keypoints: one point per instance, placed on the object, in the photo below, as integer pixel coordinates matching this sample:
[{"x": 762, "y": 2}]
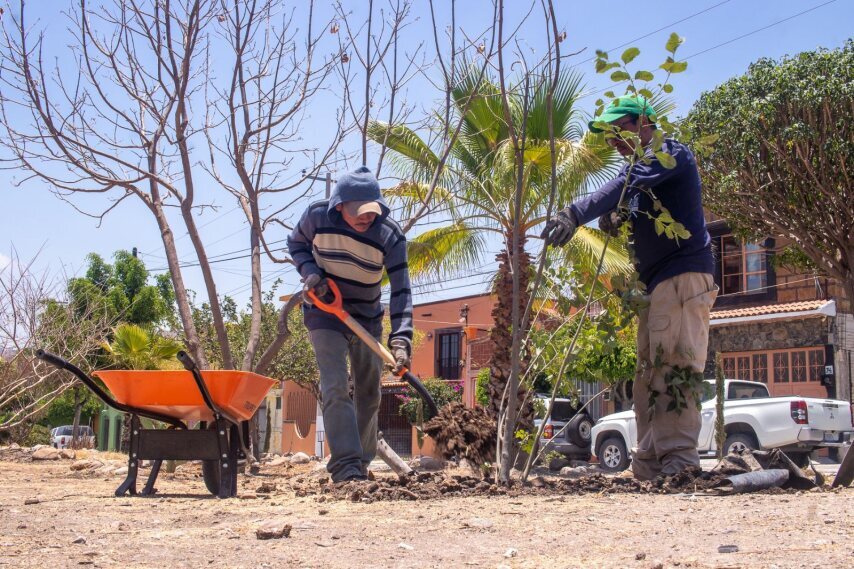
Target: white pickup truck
[{"x": 753, "y": 419}]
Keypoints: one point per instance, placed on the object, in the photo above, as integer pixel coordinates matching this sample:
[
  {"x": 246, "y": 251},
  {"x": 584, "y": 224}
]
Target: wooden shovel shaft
[{"x": 369, "y": 340}]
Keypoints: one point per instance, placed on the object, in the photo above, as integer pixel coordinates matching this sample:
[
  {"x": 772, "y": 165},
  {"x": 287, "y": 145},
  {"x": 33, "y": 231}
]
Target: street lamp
[{"x": 327, "y": 178}]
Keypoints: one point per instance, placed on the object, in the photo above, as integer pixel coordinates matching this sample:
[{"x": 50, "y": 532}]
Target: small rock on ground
[
  {"x": 273, "y": 529},
  {"x": 46, "y": 453},
  {"x": 426, "y": 464},
  {"x": 575, "y": 471},
  {"x": 300, "y": 458}
]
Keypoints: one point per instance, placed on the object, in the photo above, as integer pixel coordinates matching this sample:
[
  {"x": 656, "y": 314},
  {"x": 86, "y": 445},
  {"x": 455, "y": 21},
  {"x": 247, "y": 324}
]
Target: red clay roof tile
[{"x": 767, "y": 309}]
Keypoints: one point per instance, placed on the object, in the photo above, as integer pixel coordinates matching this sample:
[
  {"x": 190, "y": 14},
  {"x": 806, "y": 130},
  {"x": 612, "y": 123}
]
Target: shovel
[{"x": 336, "y": 308}]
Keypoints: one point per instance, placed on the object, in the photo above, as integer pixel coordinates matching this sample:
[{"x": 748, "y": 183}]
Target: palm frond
[
  {"x": 406, "y": 143},
  {"x": 445, "y": 251},
  {"x": 564, "y": 112},
  {"x": 586, "y": 247}
]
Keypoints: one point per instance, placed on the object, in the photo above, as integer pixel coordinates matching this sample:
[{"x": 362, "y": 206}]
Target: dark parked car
[{"x": 567, "y": 431}]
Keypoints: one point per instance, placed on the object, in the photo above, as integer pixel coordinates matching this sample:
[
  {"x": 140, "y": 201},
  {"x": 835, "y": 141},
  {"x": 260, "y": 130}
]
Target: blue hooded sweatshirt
[
  {"x": 657, "y": 257},
  {"x": 323, "y": 243}
]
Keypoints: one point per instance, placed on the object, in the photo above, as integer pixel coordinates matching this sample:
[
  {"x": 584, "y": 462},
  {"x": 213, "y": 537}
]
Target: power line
[
  {"x": 762, "y": 29},
  {"x": 748, "y": 34},
  {"x": 661, "y": 29}
]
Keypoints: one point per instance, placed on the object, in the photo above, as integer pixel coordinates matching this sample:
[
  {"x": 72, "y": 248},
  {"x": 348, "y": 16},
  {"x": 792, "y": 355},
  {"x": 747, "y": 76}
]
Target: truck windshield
[{"x": 739, "y": 390}]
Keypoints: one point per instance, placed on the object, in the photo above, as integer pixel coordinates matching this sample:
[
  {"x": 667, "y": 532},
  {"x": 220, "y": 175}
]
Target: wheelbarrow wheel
[{"x": 210, "y": 474}]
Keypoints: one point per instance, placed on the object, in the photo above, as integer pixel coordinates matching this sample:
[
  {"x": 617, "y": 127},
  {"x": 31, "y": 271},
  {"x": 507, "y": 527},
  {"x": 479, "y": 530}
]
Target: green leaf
[
  {"x": 618, "y": 76},
  {"x": 665, "y": 217},
  {"x": 709, "y": 139},
  {"x": 680, "y": 231},
  {"x": 630, "y": 54},
  {"x": 600, "y": 65},
  {"x": 599, "y": 102},
  {"x": 610, "y": 94},
  {"x": 659, "y": 227},
  {"x": 673, "y": 42},
  {"x": 667, "y": 88},
  {"x": 644, "y": 76},
  {"x": 678, "y": 67},
  {"x": 666, "y": 160},
  {"x": 646, "y": 93}
]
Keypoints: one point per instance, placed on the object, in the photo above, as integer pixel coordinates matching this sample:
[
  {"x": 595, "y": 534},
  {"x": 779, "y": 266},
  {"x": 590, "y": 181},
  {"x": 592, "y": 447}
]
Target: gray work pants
[
  {"x": 675, "y": 324},
  {"x": 351, "y": 424}
]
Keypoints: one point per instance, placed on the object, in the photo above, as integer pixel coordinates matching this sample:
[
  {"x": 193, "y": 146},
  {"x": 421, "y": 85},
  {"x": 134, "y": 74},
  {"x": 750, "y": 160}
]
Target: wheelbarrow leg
[
  {"x": 226, "y": 468},
  {"x": 233, "y": 451},
  {"x": 129, "y": 485},
  {"x": 149, "y": 486}
]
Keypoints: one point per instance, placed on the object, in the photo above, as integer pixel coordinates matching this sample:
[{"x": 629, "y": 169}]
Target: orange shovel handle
[{"x": 336, "y": 307}]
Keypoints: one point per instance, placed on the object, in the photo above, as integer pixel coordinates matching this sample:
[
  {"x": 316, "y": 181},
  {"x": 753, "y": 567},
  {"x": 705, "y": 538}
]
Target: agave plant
[{"x": 477, "y": 186}]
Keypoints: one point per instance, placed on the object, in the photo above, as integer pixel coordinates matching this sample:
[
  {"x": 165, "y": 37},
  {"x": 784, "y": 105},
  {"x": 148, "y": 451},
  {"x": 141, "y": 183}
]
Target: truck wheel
[
  {"x": 738, "y": 443},
  {"x": 613, "y": 455},
  {"x": 579, "y": 429}
]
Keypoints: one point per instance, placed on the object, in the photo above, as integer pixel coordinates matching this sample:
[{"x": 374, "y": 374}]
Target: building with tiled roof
[{"x": 789, "y": 329}]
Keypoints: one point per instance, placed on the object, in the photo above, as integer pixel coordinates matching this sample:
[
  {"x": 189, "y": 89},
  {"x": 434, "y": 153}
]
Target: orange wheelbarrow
[{"x": 222, "y": 401}]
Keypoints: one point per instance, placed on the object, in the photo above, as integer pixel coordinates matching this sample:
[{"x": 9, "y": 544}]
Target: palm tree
[
  {"x": 477, "y": 186},
  {"x": 133, "y": 347}
]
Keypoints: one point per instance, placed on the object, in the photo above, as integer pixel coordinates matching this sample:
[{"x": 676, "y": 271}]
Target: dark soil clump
[
  {"x": 464, "y": 433},
  {"x": 429, "y": 486}
]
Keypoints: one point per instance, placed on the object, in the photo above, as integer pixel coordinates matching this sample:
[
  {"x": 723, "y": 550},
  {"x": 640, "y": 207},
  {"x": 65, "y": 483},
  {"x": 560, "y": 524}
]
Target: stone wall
[
  {"x": 843, "y": 336},
  {"x": 766, "y": 335}
]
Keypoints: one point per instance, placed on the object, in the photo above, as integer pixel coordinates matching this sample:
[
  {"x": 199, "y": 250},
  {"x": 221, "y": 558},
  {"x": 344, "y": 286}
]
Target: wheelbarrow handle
[
  {"x": 60, "y": 363},
  {"x": 336, "y": 308},
  {"x": 190, "y": 365}
]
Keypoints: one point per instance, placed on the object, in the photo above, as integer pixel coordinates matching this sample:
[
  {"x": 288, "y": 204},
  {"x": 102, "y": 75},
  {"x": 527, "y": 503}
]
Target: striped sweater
[{"x": 323, "y": 243}]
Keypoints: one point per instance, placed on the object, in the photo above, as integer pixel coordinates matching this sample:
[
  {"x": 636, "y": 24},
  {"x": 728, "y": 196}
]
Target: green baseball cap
[{"x": 622, "y": 106}]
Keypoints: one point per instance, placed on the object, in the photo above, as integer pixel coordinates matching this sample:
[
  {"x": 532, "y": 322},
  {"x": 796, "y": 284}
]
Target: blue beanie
[{"x": 358, "y": 186}]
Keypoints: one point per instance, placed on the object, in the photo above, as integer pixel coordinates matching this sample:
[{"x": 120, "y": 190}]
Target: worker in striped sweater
[{"x": 351, "y": 239}]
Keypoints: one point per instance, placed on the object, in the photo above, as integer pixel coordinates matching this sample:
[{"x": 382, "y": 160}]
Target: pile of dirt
[
  {"x": 15, "y": 453},
  {"x": 429, "y": 486},
  {"x": 464, "y": 433}
]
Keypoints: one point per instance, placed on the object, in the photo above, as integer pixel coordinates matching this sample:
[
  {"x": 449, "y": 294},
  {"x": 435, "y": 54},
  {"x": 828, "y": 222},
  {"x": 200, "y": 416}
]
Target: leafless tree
[
  {"x": 126, "y": 121},
  {"x": 34, "y": 313}
]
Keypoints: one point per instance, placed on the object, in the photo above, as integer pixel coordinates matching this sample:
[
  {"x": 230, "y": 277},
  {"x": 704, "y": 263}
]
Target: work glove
[
  {"x": 611, "y": 222},
  {"x": 315, "y": 283},
  {"x": 560, "y": 229},
  {"x": 400, "y": 351}
]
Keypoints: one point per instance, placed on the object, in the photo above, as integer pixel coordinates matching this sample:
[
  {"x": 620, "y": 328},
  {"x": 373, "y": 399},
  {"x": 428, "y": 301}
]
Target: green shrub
[
  {"x": 481, "y": 388},
  {"x": 443, "y": 392},
  {"x": 38, "y": 435}
]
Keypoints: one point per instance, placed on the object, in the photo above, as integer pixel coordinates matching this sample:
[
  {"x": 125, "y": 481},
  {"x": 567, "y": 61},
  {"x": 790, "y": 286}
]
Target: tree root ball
[{"x": 463, "y": 432}]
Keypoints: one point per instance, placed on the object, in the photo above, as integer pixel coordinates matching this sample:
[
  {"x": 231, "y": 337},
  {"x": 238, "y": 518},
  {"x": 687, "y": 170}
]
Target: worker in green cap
[{"x": 673, "y": 327}]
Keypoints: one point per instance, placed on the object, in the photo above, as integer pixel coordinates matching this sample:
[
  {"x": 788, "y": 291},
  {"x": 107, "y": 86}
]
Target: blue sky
[{"x": 32, "y": 220}]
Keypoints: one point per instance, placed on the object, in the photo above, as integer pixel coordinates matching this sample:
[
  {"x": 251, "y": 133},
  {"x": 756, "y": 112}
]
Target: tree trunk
[
  {"x": 75, "y": 424},
  {"x": 501, "y": 336},
  {"x": 191, "y": 335}
]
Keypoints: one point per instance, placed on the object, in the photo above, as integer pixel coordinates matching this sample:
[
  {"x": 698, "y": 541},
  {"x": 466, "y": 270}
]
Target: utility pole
[{"x": 327, "y": 178}]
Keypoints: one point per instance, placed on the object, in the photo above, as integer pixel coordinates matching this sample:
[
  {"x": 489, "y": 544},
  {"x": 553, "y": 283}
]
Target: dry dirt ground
[{"x": 51, "y": 516}]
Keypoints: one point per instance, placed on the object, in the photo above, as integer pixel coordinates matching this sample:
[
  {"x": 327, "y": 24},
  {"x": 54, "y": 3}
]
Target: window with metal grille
[
  {"x": 448, "y": 353},
  {"x": 798, "y": 365}
]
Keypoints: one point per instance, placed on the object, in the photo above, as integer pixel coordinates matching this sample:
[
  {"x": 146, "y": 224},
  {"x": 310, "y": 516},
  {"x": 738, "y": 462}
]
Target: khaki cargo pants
[{"x": 677, "y": 320}]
